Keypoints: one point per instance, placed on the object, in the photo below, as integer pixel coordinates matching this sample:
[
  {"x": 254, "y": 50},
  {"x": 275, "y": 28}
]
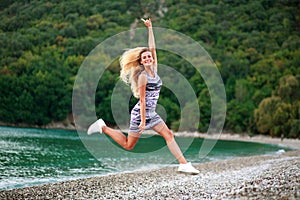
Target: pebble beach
[{"x": 257, "y": 177}]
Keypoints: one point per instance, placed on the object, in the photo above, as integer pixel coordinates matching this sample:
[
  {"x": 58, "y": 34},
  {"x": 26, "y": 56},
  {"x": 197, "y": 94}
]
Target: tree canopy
[{"x": 255, "y": 45}]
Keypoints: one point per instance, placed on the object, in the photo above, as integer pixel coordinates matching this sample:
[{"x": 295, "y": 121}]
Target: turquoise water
[{"x": 37, "y": 156}]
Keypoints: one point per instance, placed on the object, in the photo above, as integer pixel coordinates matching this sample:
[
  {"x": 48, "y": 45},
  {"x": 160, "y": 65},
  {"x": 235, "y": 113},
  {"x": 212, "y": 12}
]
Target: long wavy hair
[{"x": 131, "y": 67}]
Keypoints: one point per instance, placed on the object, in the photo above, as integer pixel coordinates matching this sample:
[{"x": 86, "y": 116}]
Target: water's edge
[{"x": 31, "y": 156}]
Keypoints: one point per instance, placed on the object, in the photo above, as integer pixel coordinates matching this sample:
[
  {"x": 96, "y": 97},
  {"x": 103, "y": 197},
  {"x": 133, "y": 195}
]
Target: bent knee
[
  {"x": 129, "y": 147},
  {"x": 169, "y": 136}
]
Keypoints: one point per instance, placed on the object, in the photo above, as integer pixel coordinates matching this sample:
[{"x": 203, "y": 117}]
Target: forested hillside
[{"x": 255, "y": 44}]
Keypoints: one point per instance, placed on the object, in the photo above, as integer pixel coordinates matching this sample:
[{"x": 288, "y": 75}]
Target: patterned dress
[{"x": 152, "y": 93}]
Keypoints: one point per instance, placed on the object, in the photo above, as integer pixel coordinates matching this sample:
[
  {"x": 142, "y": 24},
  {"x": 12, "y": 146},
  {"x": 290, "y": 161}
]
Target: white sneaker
[
  {"x": 96, "y": 127},
  {"x": 187, "y": 168}
]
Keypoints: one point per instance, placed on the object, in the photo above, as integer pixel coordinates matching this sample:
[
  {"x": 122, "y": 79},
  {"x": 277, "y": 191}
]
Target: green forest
[{"x": 255, "y": 45}]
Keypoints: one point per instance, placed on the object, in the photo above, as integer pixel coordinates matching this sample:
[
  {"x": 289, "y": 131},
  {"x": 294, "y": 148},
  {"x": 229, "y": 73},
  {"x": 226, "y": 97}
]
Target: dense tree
[
  {"x": 254, "y": 44},
  {"x": 279, "y": 115}
]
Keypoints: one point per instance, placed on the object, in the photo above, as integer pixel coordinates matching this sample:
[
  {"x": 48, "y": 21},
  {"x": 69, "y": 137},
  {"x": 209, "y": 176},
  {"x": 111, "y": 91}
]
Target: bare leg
[
  {"x": 127, "y": 143},
  {"x": 167, "y": 134}
]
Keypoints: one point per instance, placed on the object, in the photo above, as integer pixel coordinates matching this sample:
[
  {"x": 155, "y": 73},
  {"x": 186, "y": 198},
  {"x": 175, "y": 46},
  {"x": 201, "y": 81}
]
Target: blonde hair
[{"x": 131, "y": 67}]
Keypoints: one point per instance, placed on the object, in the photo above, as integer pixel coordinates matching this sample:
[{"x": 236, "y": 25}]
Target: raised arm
[{"x": 151, "y": 41}]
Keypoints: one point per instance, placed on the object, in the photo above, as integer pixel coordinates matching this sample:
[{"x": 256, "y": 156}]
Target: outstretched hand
[{"x": 147, "y": 22}]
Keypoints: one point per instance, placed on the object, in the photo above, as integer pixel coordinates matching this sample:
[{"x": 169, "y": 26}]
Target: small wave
[{"x": 280, "y": 151}]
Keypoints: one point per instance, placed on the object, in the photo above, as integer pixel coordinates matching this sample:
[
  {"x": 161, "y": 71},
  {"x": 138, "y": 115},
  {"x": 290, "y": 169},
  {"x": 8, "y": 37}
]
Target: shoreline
[
  {"x": 287, "y": 142},
  {"x": 66, "y": 125},
  {"x": 253, "y": 177}
]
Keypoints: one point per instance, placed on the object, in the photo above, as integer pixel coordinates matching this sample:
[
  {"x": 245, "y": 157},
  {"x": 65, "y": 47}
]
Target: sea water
[{"x": 31, "y": 156}]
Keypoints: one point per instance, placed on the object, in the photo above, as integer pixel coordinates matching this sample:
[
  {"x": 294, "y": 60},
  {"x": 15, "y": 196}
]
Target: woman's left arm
[
  {"x": 151, "y": 41},
  {"x": 142, "y": 82}
]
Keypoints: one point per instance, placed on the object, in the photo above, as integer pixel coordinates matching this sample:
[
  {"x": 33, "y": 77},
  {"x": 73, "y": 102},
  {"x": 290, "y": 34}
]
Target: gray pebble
[{"x": 257, "y": 177}]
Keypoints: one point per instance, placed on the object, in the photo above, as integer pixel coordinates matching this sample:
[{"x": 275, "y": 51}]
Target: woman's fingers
[
  {"x": 147, "y": 22},
  {"x": 142, "y": 127}
]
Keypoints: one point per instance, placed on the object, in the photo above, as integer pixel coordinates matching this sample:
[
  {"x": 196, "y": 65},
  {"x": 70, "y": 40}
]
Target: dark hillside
[{"x": 255, "y": 44}]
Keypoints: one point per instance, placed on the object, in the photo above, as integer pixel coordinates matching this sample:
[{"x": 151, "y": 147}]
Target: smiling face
[{"x": 147, "y": 59}]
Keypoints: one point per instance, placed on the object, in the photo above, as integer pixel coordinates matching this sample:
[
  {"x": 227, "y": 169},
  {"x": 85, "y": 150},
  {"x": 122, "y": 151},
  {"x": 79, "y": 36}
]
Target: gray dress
[{"x": 152, "y": 94}]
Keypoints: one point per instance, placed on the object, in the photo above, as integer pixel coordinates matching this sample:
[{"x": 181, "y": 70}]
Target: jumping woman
[{"x": 139, "y": 69}]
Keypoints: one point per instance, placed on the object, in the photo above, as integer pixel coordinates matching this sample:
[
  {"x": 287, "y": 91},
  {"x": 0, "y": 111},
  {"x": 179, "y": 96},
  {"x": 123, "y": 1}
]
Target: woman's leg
[
  {"x": 167, "y": 134},
  {"x": 127, "y": 143}
]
